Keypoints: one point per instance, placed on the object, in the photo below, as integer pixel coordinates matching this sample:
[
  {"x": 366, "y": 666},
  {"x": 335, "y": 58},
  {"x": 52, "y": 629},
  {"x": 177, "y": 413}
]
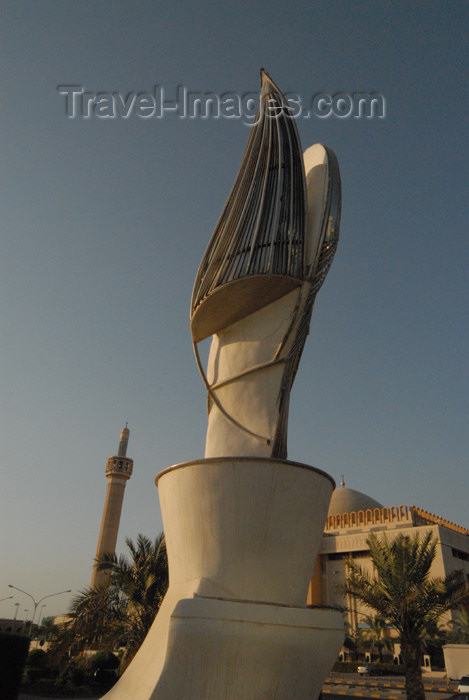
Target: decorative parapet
[
  {"x": 423, "y": 517},
  {"x": 376, "y": 516},
  {"x": 411, "y": 515}
]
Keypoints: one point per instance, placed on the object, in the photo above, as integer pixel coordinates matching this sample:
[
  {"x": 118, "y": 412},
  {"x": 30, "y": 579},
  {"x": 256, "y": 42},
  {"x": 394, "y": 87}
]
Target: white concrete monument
[{"x": 243, "y": 525}]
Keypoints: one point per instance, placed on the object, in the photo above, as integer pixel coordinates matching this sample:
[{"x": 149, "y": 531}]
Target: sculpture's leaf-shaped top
[{"x": 258, "y": 250}]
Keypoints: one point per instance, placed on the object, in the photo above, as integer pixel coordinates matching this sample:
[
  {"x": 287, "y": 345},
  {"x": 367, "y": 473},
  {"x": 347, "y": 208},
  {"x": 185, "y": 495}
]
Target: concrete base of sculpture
[
  {"x": 248, "y": 651},
  {"x": 242, "y": 536}
]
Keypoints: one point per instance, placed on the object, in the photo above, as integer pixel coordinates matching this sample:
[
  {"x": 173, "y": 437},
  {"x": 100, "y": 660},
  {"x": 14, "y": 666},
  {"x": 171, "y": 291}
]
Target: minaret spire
[
  {"x": 118, "y": 471},
  {"x": 123, "y": 442}
]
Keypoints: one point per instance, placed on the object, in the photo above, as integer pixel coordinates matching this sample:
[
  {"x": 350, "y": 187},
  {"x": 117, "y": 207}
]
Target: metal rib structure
[{"x": 261, "y": 231}]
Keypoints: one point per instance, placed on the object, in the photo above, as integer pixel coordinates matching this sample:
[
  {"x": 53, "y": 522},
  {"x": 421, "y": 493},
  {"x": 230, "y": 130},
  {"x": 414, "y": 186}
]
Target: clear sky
[{"x": 104, "y": 222}]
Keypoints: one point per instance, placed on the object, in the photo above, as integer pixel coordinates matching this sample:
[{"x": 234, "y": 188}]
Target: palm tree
[
  {"x": 402, "y": 592},
  {"x": 460, "y": 627},
  {"x": 47, "y": 629},
  {"x": 141, "y": 582},
  {"x": 121, "y": 612},
  {"x": 375, "y": 632},
  {"x": 353, "y": 640}
]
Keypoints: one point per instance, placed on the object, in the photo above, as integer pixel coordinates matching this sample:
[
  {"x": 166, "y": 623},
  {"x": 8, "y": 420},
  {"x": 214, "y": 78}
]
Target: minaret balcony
[{"x": 119, "y": 466}]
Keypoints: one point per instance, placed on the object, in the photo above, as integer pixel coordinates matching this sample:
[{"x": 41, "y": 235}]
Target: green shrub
[
  {"x": 104, "y": 660},
  {"x": 105, "y": 678},
  {"x": 32, "y": 675},
  {"x": 37, "y": 666},
  {"x": 76, "y": 673},
  {"x": 37, "y": 658},
  {"x": 379, "y": 669},
  {"x": 13, "y": 653},
  {"x": 391, "y": 669},
  {"x": 345, "y": 666}
]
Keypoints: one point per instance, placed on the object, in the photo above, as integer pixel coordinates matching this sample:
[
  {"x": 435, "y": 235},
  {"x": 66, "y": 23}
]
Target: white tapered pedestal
[{"x": 242, "y": 537}]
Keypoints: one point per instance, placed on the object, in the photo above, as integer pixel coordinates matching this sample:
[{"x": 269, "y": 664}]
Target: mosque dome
[{"x": 346, "y": 500}]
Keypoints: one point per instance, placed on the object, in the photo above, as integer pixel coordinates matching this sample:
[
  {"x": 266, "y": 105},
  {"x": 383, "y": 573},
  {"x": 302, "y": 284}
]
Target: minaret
[{"x": 118, "y": 471}]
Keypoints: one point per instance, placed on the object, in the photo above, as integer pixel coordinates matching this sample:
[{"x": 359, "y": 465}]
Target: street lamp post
[
  {"x": 36, "y": 603},
  {"x": 7, "y": 598},
  {"x": 41, "y": 612},
  {"x": 17, "y": 605}
]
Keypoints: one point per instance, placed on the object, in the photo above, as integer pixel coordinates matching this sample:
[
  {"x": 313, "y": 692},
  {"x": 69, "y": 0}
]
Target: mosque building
[{"x": 352, "y": 518}]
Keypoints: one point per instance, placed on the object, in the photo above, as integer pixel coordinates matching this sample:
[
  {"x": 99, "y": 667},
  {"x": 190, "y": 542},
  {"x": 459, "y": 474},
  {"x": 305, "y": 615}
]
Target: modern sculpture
[{"x": 243, "y": 525}]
